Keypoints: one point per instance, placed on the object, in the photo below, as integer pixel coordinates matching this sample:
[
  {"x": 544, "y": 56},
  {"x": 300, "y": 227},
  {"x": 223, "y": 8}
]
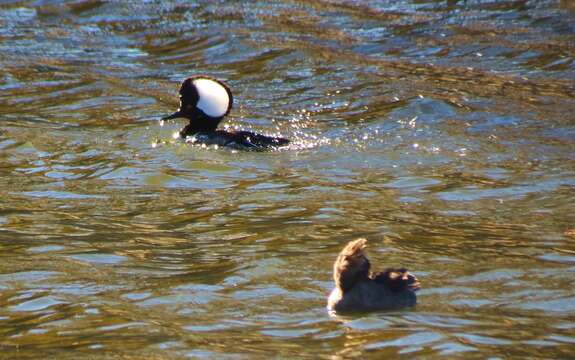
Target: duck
[
  {"x": 205, "y": 101},
  {"x": 359, "y": 289}
]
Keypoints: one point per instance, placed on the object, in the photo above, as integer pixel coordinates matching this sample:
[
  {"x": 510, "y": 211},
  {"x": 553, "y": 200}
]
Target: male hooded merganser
[
  {"x": 358, "y": 289},
  {"x": 205, "y": 101}
]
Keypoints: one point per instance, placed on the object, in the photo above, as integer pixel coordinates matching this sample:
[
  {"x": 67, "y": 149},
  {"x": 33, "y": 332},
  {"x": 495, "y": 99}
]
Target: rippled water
[{"x": 443, "y": 131}]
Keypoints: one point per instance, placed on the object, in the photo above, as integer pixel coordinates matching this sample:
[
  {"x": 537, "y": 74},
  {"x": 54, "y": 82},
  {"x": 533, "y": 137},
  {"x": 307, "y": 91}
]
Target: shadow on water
[{"x": 440, "y": 130}]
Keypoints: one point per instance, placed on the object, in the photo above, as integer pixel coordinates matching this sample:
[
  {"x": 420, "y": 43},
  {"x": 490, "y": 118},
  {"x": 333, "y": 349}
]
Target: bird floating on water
[
  {"x": 359, "y": 289},
  {"x": 205, "y": 101}
]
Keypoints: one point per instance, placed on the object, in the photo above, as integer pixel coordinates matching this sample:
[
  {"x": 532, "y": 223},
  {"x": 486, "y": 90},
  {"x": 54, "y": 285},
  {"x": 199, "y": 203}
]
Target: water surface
[{"x": 443, "y": 131}]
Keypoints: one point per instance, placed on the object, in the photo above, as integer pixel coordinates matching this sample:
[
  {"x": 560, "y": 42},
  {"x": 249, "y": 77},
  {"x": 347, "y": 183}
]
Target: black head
[{"x": 204, "y": 101}]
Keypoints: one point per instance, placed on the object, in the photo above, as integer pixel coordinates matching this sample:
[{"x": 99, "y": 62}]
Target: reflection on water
[{"x": 440, "y": 130}]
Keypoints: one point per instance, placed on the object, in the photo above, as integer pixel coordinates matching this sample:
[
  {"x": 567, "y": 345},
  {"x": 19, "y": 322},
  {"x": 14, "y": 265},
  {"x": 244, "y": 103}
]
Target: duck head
[
  {"x": 351, "y": 265},
  {"x": 204, "y": 101}
]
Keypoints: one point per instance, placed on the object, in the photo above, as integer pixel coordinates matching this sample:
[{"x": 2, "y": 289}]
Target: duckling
[
  {"x": 358, "y": 289},
  {"x": 205, "y": 101}
]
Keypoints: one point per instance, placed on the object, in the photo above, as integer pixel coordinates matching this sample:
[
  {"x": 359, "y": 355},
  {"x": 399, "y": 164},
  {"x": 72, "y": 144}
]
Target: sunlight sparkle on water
[{"x": 446, "y": 142}]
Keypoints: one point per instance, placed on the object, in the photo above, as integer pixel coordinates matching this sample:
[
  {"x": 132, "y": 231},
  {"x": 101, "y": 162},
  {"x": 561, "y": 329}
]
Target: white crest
[{"x": 213, "y": 97}]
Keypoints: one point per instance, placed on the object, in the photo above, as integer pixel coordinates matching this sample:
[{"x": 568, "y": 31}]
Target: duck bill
[{"x": 177, "y": 114}]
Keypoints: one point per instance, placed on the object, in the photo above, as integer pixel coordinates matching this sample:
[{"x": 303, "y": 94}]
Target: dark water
[{"x": 443, "y": 131}]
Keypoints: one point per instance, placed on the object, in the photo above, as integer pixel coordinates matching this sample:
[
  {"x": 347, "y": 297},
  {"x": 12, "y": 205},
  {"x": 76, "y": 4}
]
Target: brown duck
[{"x": 358, "y": 289}]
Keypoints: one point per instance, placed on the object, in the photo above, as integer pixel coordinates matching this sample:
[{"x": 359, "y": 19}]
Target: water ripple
[{"x": 442, "y": 131}]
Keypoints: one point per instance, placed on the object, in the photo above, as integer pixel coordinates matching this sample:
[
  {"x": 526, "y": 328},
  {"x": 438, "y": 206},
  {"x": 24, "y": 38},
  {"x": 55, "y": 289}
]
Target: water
[{"x": 443, "y": 131}]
